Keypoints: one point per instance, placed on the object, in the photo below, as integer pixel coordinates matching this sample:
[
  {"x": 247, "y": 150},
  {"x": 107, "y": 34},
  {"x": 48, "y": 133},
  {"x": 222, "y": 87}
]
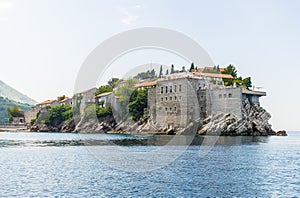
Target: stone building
[
  {"x": 179, "y": 99},
  {"x": 81, "y": 99},
  {"x": 104, "y": 99}
]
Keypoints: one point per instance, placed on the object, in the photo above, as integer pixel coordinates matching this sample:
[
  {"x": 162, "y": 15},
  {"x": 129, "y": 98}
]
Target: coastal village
[{"x": 209, "y": 96}]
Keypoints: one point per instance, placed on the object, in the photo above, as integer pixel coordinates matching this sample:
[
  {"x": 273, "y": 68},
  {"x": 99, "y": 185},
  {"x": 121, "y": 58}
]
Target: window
[
  {"x": 220, "y": 95},
  {"x": 171, "y": 98},
  {"x": 162, "y": 99},
  {"x": 166, "y": 89},
  {"x": 225, "y": 95},
  {"x": 180, "y": 88},
  {"x": 174, "y": 108},
  {"x": 166, "y": 98},
  {"x": 175, "y": 98},
  {"x": 202, "y": 97},
  {"x": 179, "y": 97},
  {"x": 230, "y": 95},
  {"x": 162, "y": 90},
  {"x": 166, "y": 109},
  {"x": 175, "y": 88},
  {"x": 170, "y": 108},
  {"x": 171, "y": 89},
  {"x": 201, "y": 108}
]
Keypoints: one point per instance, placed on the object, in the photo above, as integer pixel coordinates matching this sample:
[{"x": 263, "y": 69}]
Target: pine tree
[
  {"x": 192, "y": 68},
  {"x": 167, "y": 72},
  {"x": 172, "y": 69},
  {"x": 160, "y": 71}
]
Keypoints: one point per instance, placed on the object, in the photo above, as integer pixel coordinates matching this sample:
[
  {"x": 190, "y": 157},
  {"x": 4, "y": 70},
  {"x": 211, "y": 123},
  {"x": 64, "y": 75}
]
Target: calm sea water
[{"x": 57, "y": 165}]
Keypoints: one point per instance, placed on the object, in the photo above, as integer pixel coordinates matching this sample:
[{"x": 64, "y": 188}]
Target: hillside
[
  {"x": 5, "y": 103},
  {"x": 14, "y": 95}
]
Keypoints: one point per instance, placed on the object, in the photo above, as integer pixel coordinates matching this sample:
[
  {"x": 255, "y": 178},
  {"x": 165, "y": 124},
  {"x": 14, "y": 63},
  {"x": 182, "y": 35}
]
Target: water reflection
[{"x": 59, "y": 139}]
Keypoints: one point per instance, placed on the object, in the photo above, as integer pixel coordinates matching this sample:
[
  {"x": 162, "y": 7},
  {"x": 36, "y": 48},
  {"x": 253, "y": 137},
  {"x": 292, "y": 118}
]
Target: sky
[{"x": 43, "y": 43}]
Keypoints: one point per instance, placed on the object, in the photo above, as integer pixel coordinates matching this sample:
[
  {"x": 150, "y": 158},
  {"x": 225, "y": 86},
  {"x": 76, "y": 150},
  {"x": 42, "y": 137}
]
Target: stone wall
[
  {"x": 30, "y": 114},
  {"x": 226, "y": 100}
]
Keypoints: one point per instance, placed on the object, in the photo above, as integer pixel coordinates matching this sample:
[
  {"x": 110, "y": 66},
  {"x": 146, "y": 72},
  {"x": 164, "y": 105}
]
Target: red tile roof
[
  {"x": 47, "y": 102},
  {"x": 146, "y": 84},
  {"x": 64, "y": 100},
  {"x": 103, "y": 94},
  {"x": 214, "y": 75}
]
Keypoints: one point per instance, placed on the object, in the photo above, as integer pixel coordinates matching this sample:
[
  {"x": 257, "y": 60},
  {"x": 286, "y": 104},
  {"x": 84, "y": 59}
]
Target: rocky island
[{"x": 209, "y": 100}]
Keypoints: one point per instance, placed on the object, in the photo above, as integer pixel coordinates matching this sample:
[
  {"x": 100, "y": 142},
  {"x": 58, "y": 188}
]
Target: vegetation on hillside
[
  {"x": 239, "y": 81},
  {"x": 6, "y": 103},
  {"x": 58, "y": 115}
]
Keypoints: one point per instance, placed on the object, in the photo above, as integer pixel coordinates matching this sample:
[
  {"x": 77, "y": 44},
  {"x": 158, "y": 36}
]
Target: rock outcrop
[{"x": 254, "y": 122}]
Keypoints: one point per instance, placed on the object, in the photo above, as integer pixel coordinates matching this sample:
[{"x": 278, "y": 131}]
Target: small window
[
  {"x": 175, "y": 97},
  {"x": 220, "y": 95},
  {"x": 180, "y": 88},
  {"x": 201, "y": 97},
  {"x": 162, "y": 99},
  {"x": 162, "y": 90},
  {"x": 171, "y": 89},
  {"x": 170, "y": 108},
  {"x": 179, "y": 97},
  {"x": 175, "y": 88},
  {"x": 174, "y": 108},
  {"x": 225, "y": 95},
  {"x": 201, "y": 108},
  {"x": 166, "y": 109},
  {"x": 171, "y": 98},
  {"x": 166, "y": 89},
  {"x": 230, "y": 95},
  {"x": 166, "y": 98}
]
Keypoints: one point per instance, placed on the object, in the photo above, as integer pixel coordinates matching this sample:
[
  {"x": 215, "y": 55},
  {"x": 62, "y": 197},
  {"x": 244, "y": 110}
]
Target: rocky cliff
[{"x": 254, "y": 121}]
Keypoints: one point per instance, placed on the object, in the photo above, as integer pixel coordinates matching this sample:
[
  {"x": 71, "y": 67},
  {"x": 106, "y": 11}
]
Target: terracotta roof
[
  {"x": 146, "y": 84},
  {"x": 47, "y": 102},
  {"x": 214, "y": 75},
  {"x": 64, "y": 100},
  {"x": 103, "y": 94}
]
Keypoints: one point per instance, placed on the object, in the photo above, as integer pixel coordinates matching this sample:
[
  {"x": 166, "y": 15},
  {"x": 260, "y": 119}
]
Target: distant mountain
[
  {"x": 5, "y": 103},
  {"x": 14, "y": 95}
]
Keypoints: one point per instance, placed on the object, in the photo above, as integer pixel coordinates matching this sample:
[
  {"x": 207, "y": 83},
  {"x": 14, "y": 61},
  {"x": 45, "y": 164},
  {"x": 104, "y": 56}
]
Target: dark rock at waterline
[{"x": 281, "y": 133}]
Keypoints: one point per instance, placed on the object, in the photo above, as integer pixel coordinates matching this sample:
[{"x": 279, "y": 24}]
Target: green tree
[
  {"x": 230, "y": 69},
  {"x": 58, "y": 114},
  {"x": 14, "y": 112},
  {"x": 160, "y": 72},
  {"x": 172, "y": 69},
  {"x": 137, "y": 104},
  {"x": 247, "y": 82},
  {"x": 104, "y": 89},
  {"x": 167, "y": 72},
  {"x": 192, "y": 68},
  {"x": 113, "y": 82}
]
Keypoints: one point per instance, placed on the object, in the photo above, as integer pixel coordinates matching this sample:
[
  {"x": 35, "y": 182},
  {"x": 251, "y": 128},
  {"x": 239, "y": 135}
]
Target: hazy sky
[{"x": 44, "y": 42}]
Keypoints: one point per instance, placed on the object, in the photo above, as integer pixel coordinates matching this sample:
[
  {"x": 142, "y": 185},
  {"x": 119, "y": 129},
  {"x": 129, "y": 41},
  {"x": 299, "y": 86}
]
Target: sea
[{"x": 113, "y": 165}]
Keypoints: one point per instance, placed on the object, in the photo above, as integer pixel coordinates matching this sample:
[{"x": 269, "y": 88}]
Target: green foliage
[
  {"x": 93, "y": 111},
  {"x": 32, "y": 121},
  {"x": 167, "y": 72},
  {"x": 14, "y": 112},
  {"x": 137, "y": 104},
  {"x": 60, "y": 98},
  {"x": 103, "y": 112},
  {"x": 172, "y": 69},
  {"x": 192, "y": 68},
  {"x": 6, "y": 103},
  {"x": 146, "y": 75},
  {"x": 58, "y": 114},
  {"x": 160, "y": 72},
  {"x": 214, "y": 70},
  {"x": 247, "y": 82},
  {"x": 230, "y": 69},
  {"x": 113, "y": 82},
  {"x": 104, "y": 89}
]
